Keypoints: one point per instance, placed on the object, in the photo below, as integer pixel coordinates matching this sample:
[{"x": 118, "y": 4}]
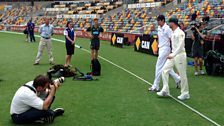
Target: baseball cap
[{"x": 174, "y": 20}]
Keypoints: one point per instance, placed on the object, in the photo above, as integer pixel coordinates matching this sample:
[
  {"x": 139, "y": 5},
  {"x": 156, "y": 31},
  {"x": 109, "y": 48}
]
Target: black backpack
[
  {"x": 25, "y": 31},
  {"x": 95, "y": 67},
  {"x": 214, "y": 63}
]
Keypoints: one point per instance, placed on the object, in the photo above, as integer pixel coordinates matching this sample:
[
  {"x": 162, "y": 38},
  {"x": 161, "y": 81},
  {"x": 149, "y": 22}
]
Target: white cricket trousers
[
  {"x": 162, "y": 58},
  {"x": 44, "y": 43},
  {"x": 180, "y": 62}
]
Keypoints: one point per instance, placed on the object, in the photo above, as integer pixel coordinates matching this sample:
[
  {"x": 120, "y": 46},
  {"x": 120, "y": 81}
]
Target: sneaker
[
  {"x": 202, "y": 72},
  {"x": 36, "y": 63},
  {"x": 184, "y": 97},
  {"x": 48, "y": 119},
  {"x": 178, "y": 84},
  {"x": 152, "y": 89},
  {"x": 196, "y": 73},
  {"x": 58, "y": 112},
  {"x": 41, "y": 121},
  {"x": 163, "y": 94}
]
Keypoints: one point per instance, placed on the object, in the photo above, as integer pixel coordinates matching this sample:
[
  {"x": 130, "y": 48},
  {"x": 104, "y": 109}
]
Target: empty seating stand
[{"x": 129, "y": 20}]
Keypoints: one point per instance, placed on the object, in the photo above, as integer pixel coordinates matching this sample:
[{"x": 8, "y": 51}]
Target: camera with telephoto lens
[
  {"x": 193, "y": 26},
  {"x": 43, "y": 94},
  {"x": 59, "y": 81}
]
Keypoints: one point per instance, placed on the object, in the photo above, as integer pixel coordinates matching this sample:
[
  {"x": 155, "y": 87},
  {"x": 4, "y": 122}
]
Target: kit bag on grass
[
  {"x": 82, "y": 77},
  {"x": 95, "y": 67},
  {"x": 214, "y": 63},
  {"x": 60, "y": 70}
]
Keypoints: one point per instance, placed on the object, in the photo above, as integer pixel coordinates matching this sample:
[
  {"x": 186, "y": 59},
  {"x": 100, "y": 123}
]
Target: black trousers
[
  {"x": 32, "y": 38},
  {"x": 32, "y": 115}
]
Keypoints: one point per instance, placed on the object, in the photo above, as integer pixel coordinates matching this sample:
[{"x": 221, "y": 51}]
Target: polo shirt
[{"x": 25, "y": 99}]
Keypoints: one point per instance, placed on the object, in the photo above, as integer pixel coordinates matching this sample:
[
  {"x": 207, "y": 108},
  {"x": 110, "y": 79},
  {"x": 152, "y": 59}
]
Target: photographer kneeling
[
  {"x": 198, "y": 49},
  {"x": 29, "y": 105}
]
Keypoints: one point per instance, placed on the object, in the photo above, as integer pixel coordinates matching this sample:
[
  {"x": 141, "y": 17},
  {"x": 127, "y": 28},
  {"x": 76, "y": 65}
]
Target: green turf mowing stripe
[{"x": 182, "y": 103}]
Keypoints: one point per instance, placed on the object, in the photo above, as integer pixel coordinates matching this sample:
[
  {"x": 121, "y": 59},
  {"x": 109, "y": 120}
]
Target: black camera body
[
  {"x": 194, "y": 26},
  {"x": 59, "y": 80}
]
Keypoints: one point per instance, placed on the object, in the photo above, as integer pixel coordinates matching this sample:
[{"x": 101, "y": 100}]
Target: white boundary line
[{"x": 182, "y": 103}]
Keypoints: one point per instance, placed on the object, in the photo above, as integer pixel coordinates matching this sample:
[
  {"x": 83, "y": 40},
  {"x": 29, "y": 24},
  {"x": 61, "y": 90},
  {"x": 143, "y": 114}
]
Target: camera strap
[{"x": 31, "y": 88}]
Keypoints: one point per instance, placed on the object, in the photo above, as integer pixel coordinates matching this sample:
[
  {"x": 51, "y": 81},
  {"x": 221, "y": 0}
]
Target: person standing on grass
[
  {"x": 178, "y": 59},
  {"x": 95, "y": 40},
  {"x": 46, "y": 31},
  {"x": 70, "y": 38},
  {"x": 28, "y": 106},
  {"x": 164, "y": 36},
  {"x": 31, "y": 27},
  {"x": 31, "y": 31},
  {"x": 198, "y": 48}
]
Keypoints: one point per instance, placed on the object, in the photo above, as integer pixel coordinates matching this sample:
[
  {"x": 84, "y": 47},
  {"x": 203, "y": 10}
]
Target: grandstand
[
  {"x": 132, "y": 20},
  {"x": 128, "y": 18},
  {"x": 115, "y": 17}
]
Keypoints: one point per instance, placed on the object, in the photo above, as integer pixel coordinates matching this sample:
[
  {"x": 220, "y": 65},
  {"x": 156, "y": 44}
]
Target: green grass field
[{"x": 118, "y": 98}]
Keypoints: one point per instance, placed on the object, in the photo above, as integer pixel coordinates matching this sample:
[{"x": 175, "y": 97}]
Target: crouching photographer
[{"x": 31, "y": 103}]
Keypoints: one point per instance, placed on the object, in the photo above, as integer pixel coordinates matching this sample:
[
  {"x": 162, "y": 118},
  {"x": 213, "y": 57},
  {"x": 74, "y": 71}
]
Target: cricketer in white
[
  {"x": 177, "y": 58},
  {"x": 164, "y": 36}
]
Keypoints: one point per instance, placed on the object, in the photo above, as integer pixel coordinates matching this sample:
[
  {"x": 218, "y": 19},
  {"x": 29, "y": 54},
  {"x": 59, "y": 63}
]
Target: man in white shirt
[
  {"x": 164, "y": 36},
  {"x": 28, "y": 107},
  {"x": 177, "y": 58}
]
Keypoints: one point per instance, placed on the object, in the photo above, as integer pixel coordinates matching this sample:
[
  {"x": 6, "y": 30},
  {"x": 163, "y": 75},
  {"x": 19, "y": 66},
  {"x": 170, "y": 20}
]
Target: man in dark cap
[
  {"x": 164, "y": 36},
  {"x": 177, "y": 58}
]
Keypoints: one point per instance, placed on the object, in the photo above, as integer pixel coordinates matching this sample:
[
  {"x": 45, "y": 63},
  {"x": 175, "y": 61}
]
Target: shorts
[
  {"x": 70, "y": 49},
  {"x": 95, "y": 45},
  {"x": 198, "y": 52}
]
